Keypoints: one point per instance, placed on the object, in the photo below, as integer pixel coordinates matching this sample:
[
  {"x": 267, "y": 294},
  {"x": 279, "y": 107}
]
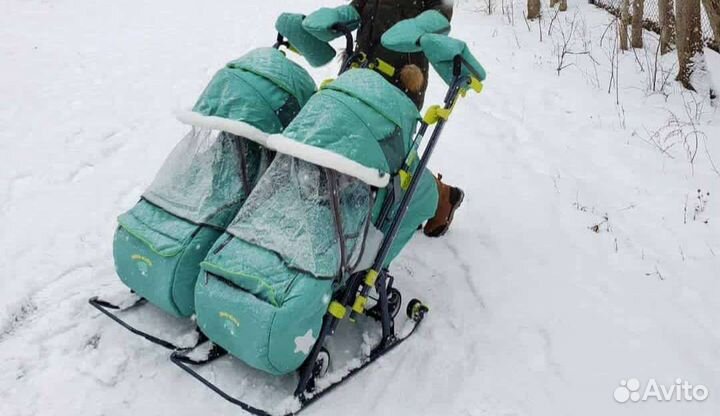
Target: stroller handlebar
[
  {"x": 349, "y": 39},
  {"x": 343, "y": 30},
  {"x": 459, "y": 62},
  {"x": 281, "y": 41}
]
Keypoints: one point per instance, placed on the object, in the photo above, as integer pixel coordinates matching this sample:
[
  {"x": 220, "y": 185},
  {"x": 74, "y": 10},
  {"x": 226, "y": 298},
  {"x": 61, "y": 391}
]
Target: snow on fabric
[
  {"x": 262, "y": 89},
  {"x": 162, "y": 240},
  {"x": 281, "y": 255},
  {"x": 290, "y": 213},
  {"x": 363, "y": 121},
  {"x": 202, "y": 179},
  {"x": 274, "y": 65}
]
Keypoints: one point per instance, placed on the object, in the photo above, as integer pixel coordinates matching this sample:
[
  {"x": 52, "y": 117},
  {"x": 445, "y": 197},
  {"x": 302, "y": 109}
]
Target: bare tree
[
  {"x": 533, "y": 7},
  {"x": 667, "y": 25},
  {"x": 624, "y": 21},
  {"x": 564, "y": 48},
  {"x": 689, "y": 39},
  {"x": 637, "y": 23},
  {"x": 712, "y": 8}
]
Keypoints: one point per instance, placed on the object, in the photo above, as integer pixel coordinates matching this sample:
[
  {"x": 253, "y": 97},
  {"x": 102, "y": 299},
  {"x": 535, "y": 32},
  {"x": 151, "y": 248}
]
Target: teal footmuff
[
  {"x": 160, "y": 242},
  {"x": 266, "y": 284}
]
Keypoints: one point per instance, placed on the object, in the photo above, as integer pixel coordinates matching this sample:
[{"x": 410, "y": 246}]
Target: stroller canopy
[
  {"x": 202, "y": 180},
  {"x": 359, "y": 125},
  {"x": 289, "y": 213},
  {"x": 253, "y": 96}
]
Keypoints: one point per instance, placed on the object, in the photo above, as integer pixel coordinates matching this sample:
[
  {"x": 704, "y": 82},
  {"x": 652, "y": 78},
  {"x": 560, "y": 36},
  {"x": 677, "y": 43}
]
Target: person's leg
[{"x": 450, "y": 199}]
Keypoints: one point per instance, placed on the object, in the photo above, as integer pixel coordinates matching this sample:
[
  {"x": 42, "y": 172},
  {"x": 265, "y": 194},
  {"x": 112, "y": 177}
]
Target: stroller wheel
[
  {"x": 394, "y": 301},
  {"x": 322, "y": 364},
  {"x": 394, "y": 305},
  {"x": 416, "y": 310}
]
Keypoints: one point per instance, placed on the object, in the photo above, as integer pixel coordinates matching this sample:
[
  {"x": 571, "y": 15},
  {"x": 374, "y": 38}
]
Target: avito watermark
[{"x": 631, "y": 390}]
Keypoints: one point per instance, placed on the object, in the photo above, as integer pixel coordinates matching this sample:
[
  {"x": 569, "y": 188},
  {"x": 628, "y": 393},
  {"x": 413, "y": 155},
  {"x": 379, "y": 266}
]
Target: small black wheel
[
  {"x": 322, "y": 364},
  {"x": 394, "y": 305},
  {"x": 394, "y": 302},
  {"x": 416, "y": 310}
]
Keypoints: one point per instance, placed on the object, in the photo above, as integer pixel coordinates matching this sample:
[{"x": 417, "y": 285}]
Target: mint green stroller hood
[
  {"x": 160, "y": 242},
  {"x": 266, "y": 284},
  {"x": 359, "y": 125},
  {"x": 253, "y": 96}
]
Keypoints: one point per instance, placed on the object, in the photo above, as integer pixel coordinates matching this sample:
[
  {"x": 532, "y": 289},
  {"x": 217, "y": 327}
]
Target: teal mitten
[
  {"x": 441, "y": 51},
  {"x": 315, "y": 51},
  {"x": 320, "y": 23},
  {"x": 405, "y": 36}
]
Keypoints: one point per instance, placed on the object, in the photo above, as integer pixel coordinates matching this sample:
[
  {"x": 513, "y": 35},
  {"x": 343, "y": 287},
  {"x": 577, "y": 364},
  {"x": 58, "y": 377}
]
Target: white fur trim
[
  {"x": 239, "y": 128},
  {"x": 328, "y": 159}
]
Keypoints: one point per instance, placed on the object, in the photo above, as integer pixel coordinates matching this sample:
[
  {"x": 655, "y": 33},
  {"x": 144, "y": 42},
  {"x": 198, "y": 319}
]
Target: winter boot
[{"x": 450, "y": 199}]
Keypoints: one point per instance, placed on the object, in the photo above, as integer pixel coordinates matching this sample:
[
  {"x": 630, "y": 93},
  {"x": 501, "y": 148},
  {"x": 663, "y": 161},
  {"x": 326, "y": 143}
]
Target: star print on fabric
[{"x": 305, "y": 343}]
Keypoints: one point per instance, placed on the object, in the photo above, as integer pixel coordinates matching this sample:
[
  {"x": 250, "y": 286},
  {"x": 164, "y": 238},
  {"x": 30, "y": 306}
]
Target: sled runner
[{"x": 343, "y": 196}]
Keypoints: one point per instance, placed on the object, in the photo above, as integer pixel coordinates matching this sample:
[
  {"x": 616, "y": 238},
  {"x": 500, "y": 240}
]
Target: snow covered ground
[{"x": 582, "y": 256}]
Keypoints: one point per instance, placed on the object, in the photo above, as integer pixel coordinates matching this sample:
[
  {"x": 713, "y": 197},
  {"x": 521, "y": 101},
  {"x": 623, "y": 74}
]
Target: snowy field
[{"x": 582, "y": 255}]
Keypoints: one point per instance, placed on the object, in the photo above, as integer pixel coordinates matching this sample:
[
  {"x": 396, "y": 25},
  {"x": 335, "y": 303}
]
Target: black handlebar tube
[
  {"x": 350, "y": 53},
  {"x": 347, "y": 33},
  {"x": 280, "y": 41},
  {"x": 349, "y": 45},
  {"x": 459, "y": 62}
]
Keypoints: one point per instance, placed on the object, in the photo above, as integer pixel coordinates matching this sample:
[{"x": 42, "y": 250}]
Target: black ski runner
[
  {"x": 105, "y": 307},
  {"x": 180, "y": 358}
]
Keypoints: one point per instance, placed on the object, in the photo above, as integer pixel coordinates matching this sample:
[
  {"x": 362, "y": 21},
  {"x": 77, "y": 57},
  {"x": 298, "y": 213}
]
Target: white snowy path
[{"x": 532, "y": 312}]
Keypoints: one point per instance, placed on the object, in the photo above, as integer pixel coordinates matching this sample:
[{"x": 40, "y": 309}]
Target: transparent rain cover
[
  {"x": 201, "y": 181},
  {"x": 289, "y": 212}
]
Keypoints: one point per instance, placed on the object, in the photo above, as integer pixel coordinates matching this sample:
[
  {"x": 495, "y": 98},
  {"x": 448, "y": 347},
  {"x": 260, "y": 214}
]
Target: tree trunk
[
  {"x": 533, "y": 7},
  {"x": 624, "y": 19},
  {"x": 712, "y": 8},
  {"x": 563, "y": 5},
  {"x": 637, "y": 23},
  {"x": 689, "y": 39},
  {"x": 667, "y": 25}
]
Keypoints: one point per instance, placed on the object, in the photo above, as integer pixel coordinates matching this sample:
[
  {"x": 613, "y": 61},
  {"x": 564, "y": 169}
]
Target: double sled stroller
[{"x": 279, "y": 213}]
